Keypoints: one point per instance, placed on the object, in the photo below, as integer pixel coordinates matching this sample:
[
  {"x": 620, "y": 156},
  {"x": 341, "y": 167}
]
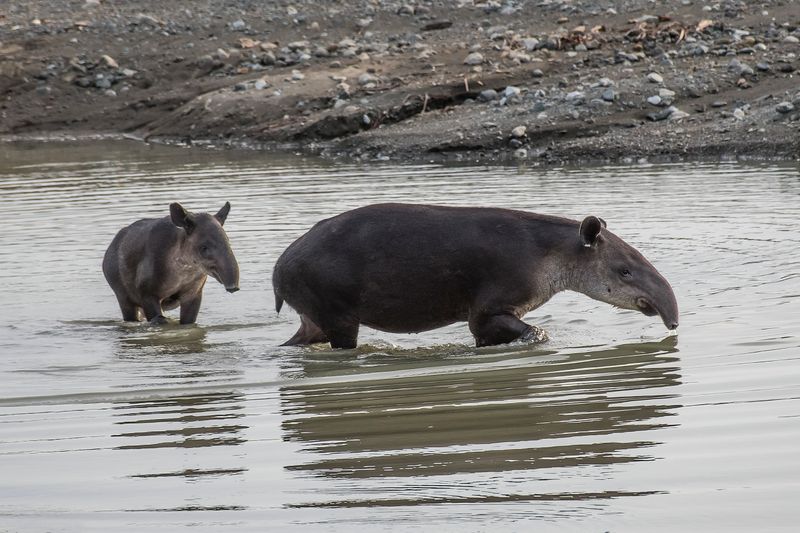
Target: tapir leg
[
  {"x": 153, "y": 312},
  {"x": 502, "y": 328},
  {"x": 309, "y": 333},
  {"x": 190, "y": 308},
  {"x": 130, "y": 311}
]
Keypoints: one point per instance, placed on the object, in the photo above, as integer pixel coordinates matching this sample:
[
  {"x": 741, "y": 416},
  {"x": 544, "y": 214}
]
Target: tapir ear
[
  {"x": 181, "y": 217},
  {"x": 590, "y": 230},
  {"x": 222, "y": 214}
]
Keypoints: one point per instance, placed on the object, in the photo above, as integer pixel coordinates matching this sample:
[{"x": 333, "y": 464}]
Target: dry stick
[{"x": 425, "y": 103}]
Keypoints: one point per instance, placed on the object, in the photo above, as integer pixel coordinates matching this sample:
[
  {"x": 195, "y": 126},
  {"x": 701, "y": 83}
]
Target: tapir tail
[{"x": 278, "y": 302}]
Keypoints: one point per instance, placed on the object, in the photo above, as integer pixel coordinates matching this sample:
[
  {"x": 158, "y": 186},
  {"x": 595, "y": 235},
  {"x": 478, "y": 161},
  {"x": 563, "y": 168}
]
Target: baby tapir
[
  {"x": 158, "y": 264},
  {"x": 411, "y": 268}
]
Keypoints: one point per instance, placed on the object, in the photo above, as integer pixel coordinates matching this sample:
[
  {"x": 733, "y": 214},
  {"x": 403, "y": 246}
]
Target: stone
[
  {"x": 238, "y": 25},
  {"x": 108, "y": 61},
  {"x": 719, "y": 103},
  {"x": 521, "y": 153},
  {"x": 666, "y": 94},
  {"x": 519, "y": 132},
  {"x": 260, "y": 84},
  {"x": 475, "y": 58},
  {"x": 791, "y": 39},
  {"x": 609, "y": 95},
  {"x": 784, "y": 107},
  {"x": 762, "y": 66},
  {"x": 537, "y": 73},
  {"x": 367, "y": 78},
  {"x": 605, "y": 82},
  {"x": 511, "y": 91},
  {"x": 655, "y": 77},
  {"x": 530, "y": 44},
  {"x": 240, "y": 87},
  {"x": 297, "y": 75},
  {"x": 576, "y": 98},
  {"x": 738, "y": 113},
  {"x": 654, "y": 100},
  {"x": 488, "y": 95}
]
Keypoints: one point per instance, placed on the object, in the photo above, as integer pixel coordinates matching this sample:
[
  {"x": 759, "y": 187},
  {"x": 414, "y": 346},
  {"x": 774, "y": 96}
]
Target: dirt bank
[{"x": 541, "y": 81}]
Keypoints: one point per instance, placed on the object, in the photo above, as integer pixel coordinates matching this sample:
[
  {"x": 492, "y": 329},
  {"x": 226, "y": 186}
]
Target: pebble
[
  {"x": 530, "y": 44},
  {"x": 488, "y": 95},
  {"x": 784, "y": 107},
  {"x": 654, "y": 100},
  {"x": 260, "y": 84},
  {"x": 666, "y": 94},
  {"x": 366, "y": 79},
  {"x": 605, "y": 82},
  {"x": 521, "y": 153},
  {"x": 738, "y": 113},
  {"x": 719, "y": 103},
  {"x": 576, "y": 97},
  {"x": 511, "y": 91},
  {"x": 297, "y": 75},
  {"x": 609, "y": 95},
  {"x": 791, "y": 39},
  {"x": 475, "y": 58},
  {"x": 109, "y": 61},
  {"x": 238, "y": 25},
  {"x": 240, "y": 87},
  {"x": 519, "y": 131},
  {"x": 763, "y": 67},
  {"x": 537, "y": 73},
  {"x": 655, "y": 77}
]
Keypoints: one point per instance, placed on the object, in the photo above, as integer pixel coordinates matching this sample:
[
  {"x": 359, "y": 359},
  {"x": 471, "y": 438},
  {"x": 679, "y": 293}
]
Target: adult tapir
[
  {"x": 410, "y": 268},
  {"x": 162, "y": 263}
]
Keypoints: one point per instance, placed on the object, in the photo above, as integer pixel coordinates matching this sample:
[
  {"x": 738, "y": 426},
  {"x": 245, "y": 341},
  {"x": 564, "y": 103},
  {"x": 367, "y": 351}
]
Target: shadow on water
[{"x": 568, "y": 412}]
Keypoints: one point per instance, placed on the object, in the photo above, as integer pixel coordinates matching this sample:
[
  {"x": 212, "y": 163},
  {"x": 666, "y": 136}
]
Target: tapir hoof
[
  {"x": 158, "y": 320},
  {"x": 534, "y": 334}
]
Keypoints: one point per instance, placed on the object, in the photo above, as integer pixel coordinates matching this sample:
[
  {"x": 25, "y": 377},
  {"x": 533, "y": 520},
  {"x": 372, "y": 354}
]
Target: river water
[{"x": 614, "y": 424}]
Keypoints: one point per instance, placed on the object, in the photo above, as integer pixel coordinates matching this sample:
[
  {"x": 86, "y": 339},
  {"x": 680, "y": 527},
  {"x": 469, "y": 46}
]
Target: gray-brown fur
[
  {"x": 157, "y": 264},
  {"x": 411, "y": 268}
]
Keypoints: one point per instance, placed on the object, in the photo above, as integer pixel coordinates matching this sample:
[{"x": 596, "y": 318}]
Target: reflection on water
[
  {"x": 508, "y": 419},
  {"x": 214, "y": 427}
]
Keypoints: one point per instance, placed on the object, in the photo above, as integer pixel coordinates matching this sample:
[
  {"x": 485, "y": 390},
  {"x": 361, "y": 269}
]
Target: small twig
[
  {"x": 466, "y": 84},
  {"x": 425, "y": 103}
]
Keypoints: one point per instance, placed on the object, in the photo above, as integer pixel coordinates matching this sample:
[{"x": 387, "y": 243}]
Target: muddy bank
[{"x": 539, "y": 81}]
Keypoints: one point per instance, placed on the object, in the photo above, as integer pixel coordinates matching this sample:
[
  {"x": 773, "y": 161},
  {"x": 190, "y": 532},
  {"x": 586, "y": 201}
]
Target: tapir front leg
[
  {"x": 190, "y": 307},
  {"x": 501, "y": 328}
]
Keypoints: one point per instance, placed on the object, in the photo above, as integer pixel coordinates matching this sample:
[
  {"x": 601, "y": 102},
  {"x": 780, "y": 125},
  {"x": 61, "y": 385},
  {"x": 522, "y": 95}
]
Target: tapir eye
[
  {"x": 203, "y": 249},
  {"x": 625, "y": 273}
]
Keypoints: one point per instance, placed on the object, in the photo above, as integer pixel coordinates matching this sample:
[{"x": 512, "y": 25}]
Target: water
[{"x": 612, "y": 425}]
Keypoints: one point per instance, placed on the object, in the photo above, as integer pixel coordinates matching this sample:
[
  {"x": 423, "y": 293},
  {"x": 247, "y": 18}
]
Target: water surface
[{"x": 612, "y": 425}]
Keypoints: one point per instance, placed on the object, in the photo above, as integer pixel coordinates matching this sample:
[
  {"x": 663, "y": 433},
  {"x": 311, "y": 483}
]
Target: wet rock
[
  {"x": 655, "y": 77},
  {"x": 475, "y": 58},
  {"x": 240, "y": 87},
  {"x": 609, "y": 95},
  {"x": 762, "y": 66},
  {"x": 537, "y": 73},
  {"x": 654, "y": 100},
  {"x": 784, "y": 107},
  {"x": 739, "y": 68},
  {"x": 519, "y": 132}
]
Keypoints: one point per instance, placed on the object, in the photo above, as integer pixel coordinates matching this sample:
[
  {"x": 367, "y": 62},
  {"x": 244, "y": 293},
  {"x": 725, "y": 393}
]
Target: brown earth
[{"x": 388, "y": 79}]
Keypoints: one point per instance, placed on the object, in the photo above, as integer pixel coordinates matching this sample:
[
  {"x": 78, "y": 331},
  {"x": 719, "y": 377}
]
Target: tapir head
[
  {"x": 207, "y": 245},
  {"x": 614, "y": 272}
]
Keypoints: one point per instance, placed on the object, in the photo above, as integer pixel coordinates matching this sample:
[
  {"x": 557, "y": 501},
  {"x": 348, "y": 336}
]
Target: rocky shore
[{"x": 542, "y": 81}]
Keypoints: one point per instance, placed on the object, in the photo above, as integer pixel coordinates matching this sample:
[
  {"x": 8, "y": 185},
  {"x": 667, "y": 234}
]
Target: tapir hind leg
[
  {"x": 309, "y": 333},
  {"x": 130, "y": 311},
  {"x": 491, "y": 329}
]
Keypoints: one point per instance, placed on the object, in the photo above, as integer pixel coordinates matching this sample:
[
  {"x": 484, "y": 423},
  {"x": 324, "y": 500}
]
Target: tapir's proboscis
[
  {"x": 157, "y": 264},
  {"x": 411, "y": 268}
]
